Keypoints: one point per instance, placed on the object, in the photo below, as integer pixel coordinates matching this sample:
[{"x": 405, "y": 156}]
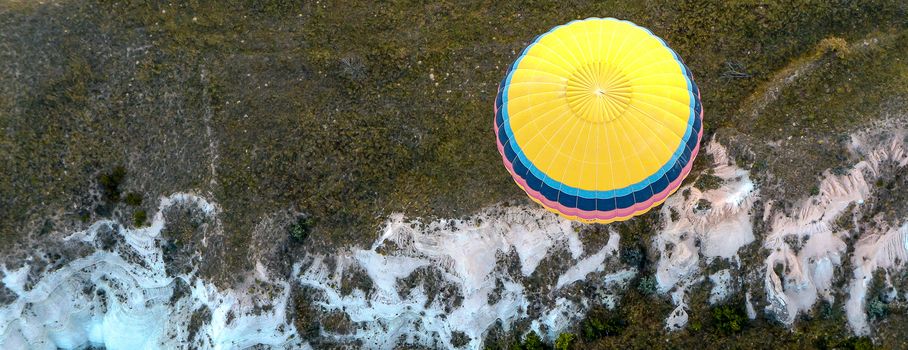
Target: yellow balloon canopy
[{"x": 598, "y": 120}]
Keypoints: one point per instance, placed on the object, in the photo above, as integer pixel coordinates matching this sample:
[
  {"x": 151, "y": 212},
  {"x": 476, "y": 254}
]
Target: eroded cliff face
[{"x": 450, "y": 282}]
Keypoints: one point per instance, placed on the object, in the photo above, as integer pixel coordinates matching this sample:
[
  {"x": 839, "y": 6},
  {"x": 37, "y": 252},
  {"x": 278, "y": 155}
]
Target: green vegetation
[
  {"x": 133, "y": 199},
  {"x": 602, "y": 323},
  {"x": 890, "y": 194},
  {"x": 647, "y": 285},
  {"x": 729, "y": 319},
  {"x": 305, "y": 314},
  {"x": 635, "y": 238},
  {"x": 564, "y": 341},
  {"x": 877, "y": 299},
  {"x": 139, "y": 218},
  {"x": 84, "y": 216},
  {"x": 707, "y": 181},
  {"x": 703, "y": 205},
  {"x": 530, "y": 342},
  {"x": 877, "y": 309},
  {"x": 110, "y": 183},
  {"x": 848, "y": 81},
  {"x": 459, "y": 339},
  {"x": 300, "y": 229},
  {"x": 200, "y": 317},
  {"x": 356, "y": 278}
]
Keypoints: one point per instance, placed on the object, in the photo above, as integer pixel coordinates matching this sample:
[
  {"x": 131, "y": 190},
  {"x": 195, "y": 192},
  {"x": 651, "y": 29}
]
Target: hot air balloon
[{"x": 598, "y": 120}]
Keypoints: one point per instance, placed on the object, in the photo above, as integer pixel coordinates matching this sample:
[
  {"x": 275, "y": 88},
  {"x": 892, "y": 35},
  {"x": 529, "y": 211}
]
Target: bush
[
  {"x": 564, "y": 341},
  {"x": 647, "y": 285},
  {"x": 532, "y": 342},
  {"x": 708, "y": 182},
  {"x": 702, "y": 206},
  {"x": 84, "y": 215},
  {"x": 729, "y": 319},
  {"x": 835, "y": 45},
  {"x": 459, "y": 339},
  {"x": 300, "y": 229},
  {"x": 877, "y": 309},
  {"x": 133, "y": 199},
  {"x": 599, "y": 324},
  {"x": 857, "y": 343},
  {"x": 139, "y": 218},
  {"x": 110, "y": 183},
  {"x": 840, "y": 170},
  {"x": 877, "y": 299},
  {"x": 631, "y": 255}
]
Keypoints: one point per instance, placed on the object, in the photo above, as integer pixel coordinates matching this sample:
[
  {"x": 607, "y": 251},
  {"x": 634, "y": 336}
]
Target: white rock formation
[
  {"x": 819, "y": 245},
  {"x": 106, "y": 300},
  {"x": 714, "y": 233}
]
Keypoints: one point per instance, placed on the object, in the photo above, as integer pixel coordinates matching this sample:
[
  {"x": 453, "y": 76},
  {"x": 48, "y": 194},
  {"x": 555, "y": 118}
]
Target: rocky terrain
[{"x": 274, "y": 174}]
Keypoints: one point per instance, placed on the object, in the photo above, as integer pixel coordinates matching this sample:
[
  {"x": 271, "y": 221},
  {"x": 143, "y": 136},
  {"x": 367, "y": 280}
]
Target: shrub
[
  {"x": 532, "y": 342},
  {"x": 708, "y": 182},
  {"x": 729, "y": 319},
  {"x": 631, "y": 255},
  {"x": 647, "y": 285},
  {"x": 877, "y": 297},
  {"x": 353, "y": 68},
  {"x": 598, "y": 325},
  {"x": 459, "y": 339},
  {"x": 300, "y": 229},
  {"x": 877, "y": 309},
  {"x": 84, "y": 215},
  {"x": 840, "y": 170},
  {"x": 139, "y": 218},
  {"x": 835, "y": 45},
  {"x": 857, "y": 343},
  {"x": 702, "y": 205},
  {"x": 110, "y": 183},
  {"x": 564, "y": 341},
  {"x": 133, "y": 199}
]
